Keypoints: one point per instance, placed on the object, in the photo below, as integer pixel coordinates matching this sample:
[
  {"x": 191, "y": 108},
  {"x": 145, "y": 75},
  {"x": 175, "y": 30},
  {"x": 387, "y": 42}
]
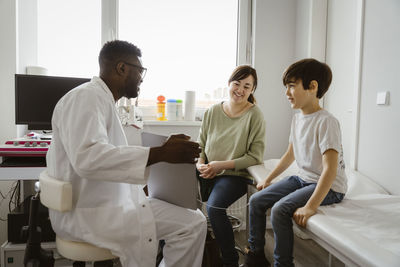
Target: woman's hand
[
  {"x": 216, "y": 166},
  {"x": 201, "y": 167},
  {"x": 210, "y": 170},
  {"x": 263, "y": 184},
  {"x": 204, "y": 171}
]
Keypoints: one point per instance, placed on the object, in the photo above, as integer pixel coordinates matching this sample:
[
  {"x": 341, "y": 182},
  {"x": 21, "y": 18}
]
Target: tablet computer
[{"x": 173, "y": 183}]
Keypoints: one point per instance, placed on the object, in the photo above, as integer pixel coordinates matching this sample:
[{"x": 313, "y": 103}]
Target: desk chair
[{"x": 57, "y": 195}]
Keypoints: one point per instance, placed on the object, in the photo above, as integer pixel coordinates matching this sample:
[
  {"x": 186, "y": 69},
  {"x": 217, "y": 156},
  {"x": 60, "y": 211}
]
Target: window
[
  {"x": 186, "y": 45},
  {"x": 69, "y": 37}
]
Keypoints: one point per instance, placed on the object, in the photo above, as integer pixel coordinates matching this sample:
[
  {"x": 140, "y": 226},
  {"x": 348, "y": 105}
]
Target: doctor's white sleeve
[{"x": 89, "y": 136}]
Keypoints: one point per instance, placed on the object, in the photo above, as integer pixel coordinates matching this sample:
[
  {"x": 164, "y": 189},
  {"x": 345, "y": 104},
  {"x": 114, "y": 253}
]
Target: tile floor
[{"x": 307, "y": 253}]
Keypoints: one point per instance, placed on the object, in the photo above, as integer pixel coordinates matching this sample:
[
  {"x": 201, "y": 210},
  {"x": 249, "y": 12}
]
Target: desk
[
  {"x": 20, "y": 173},
  {"x": 13, "y": 255},
  {"x": 28, "y": 174}
]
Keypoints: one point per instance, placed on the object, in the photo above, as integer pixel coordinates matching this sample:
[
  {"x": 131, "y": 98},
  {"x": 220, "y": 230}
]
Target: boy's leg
[
  {"x": 282, "y": 225},
  {"x": 260, "y": 202},
  {"x": 227, "y": 189},
  {"x": 184, "y": 232}
]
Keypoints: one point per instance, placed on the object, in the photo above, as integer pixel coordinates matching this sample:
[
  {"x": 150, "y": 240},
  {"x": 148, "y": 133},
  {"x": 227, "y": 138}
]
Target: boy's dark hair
[
  {"x": 117, "y": 50},
  {"x": 242, "y": 72},
  {"x": 307, "y": 70}
]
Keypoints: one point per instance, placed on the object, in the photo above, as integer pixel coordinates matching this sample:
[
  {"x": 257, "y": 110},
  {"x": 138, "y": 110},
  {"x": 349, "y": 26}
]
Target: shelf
[{"x": 172, "y": 123}]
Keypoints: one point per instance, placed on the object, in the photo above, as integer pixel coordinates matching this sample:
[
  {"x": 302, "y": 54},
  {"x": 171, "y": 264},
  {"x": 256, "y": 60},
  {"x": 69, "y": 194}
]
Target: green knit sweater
[{"x": 240, "y": 139}]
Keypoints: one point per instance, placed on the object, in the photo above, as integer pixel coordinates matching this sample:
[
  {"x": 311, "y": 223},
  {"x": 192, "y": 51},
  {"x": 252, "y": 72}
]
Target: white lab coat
[{"x": 89, "y": 149}]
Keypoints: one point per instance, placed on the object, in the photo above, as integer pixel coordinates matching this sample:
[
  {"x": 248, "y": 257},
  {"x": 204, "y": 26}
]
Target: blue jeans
[
  {"x": 284, "y": 197},
  {"x": 226, "y": 190}
]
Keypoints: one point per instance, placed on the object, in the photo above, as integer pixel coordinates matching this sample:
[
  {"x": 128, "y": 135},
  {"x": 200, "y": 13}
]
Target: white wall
[
  {"x": 274, "y": 31},
  {"x": 27, "y": 35},
  {"x": 311, "y": 18},
  {"x": 373, "y": 140},
  {"x": 284, "y": 32},
  {"x": 18, "y": 47},
  {"x": 27, "y": 42},
  {"x": 303, "y": 15},
  {"x": 7, "y": 70},
  {"x": 341, "y": 56},
  {"x": 8, "y": 65},
  {"x": 379, "y": 145}
]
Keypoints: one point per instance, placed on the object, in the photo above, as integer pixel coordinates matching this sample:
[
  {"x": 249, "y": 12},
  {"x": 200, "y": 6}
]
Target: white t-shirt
[{"x": 311, "y": 135}]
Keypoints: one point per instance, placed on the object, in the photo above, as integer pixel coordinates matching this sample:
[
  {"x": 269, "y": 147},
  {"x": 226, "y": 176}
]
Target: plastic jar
[
  {"x": 179, "y": 112},
  {"x": 171, "y": 109},
  {"x": 161, "y": 108}
]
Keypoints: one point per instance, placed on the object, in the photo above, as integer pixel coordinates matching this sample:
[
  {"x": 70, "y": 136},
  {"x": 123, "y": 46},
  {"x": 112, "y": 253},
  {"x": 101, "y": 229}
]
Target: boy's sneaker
[{"x": 256, "y": 259}]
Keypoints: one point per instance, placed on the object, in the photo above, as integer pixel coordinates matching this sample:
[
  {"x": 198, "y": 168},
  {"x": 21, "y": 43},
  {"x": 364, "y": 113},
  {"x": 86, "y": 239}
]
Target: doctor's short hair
[
  {"x": 242, "y": 72},
  {"x": 117, "y": 50},
  {"x": 307, "y": 70}
]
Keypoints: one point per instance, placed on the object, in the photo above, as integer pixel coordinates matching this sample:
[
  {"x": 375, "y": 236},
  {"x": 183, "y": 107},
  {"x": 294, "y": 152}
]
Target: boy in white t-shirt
[{"x": 315, "y": 143}]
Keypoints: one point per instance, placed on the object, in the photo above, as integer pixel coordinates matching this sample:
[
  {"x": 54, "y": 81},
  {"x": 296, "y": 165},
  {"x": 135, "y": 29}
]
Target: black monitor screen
[{"x": 36, "y": 96}]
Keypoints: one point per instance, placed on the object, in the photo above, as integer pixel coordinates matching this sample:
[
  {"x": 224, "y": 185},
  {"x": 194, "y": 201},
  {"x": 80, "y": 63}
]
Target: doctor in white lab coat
[{"x": 90, "y": 150}]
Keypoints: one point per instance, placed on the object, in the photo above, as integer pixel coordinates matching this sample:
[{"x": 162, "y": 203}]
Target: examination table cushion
[{"x": 364, "y": 227}]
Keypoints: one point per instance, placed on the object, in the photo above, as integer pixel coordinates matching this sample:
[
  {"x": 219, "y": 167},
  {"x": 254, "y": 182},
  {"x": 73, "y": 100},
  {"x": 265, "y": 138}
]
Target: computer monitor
[{"x": 37, "y": 95}]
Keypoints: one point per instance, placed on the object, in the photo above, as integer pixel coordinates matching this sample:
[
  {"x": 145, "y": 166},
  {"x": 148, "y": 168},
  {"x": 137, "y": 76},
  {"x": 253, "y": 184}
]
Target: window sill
[{"x": 171, "y": 123}]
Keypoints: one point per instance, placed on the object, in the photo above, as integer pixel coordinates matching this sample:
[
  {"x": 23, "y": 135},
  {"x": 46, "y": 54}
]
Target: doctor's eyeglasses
[{"x": 142, "y": 70}]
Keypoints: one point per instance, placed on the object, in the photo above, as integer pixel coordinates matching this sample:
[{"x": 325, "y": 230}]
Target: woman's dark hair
[
  {"x": 307, "y": 70},
  {"x": 242, "y": 72}
]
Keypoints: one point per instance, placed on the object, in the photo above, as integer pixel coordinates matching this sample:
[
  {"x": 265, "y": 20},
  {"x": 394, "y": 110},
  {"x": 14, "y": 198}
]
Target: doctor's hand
[
  {"x": 302, "y": 214},
  {"x": 177, "y": 149}
]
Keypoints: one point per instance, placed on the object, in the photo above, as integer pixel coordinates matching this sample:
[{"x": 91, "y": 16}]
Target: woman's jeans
[
  {"x": 284, "y": 197},
  {"x": 226, "y": 190}
]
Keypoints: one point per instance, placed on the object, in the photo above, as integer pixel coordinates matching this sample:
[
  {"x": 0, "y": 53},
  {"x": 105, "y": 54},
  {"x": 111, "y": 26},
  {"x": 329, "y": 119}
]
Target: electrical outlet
[{"x": 382, "y": 98}]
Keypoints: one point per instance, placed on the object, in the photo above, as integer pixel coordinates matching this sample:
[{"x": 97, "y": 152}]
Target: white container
[
  {"x": 36, "y": 70},
  {"x": 190, "y": 105},
  {"x": 179, "y": 110},
  {"x": 171, "y": 109}
]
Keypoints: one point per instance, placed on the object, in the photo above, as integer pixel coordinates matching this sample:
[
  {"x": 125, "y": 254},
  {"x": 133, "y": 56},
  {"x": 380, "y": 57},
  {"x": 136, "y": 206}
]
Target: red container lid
[{"x": 161, "y": 98}]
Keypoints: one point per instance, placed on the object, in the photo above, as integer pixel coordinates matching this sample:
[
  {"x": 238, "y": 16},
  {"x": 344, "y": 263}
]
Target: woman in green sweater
[{"x": 232, "y": 139}]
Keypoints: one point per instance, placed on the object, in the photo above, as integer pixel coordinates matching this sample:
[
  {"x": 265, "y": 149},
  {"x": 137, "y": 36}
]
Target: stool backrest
[{"x": 55, "y": 194}]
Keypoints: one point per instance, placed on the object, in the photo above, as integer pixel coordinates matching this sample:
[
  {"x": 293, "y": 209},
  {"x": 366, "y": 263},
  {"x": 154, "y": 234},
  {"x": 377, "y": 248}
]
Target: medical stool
[{"x": 57, "y": 195}]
